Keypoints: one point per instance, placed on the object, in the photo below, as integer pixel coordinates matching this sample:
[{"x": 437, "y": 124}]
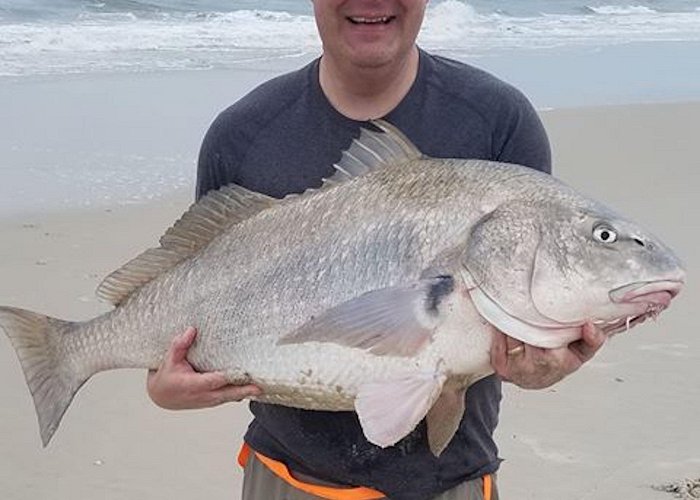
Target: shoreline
[
  {"x": 185, "y": 145},
  {"x": 122, "y": 137},
  {"x": 576, "y": 75}
]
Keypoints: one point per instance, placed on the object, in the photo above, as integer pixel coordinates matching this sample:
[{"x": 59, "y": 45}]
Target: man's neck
[{"x": 367, "y": 93}]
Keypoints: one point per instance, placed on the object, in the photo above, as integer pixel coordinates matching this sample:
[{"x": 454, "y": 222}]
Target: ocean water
[
  {"x": 105, "y": 102},
  {"x": 39, "y": 37}
]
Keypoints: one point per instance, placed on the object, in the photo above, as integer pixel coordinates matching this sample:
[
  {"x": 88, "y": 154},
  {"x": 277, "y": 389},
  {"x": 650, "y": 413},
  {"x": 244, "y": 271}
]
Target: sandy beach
[{"x": 625, "y": 422}]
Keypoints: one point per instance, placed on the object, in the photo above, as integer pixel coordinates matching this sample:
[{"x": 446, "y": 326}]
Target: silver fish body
[{"x": 378, "y": 292}]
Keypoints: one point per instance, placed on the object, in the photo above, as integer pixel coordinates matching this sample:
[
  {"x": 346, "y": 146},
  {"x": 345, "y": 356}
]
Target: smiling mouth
[{"x": 371, "y": 20}]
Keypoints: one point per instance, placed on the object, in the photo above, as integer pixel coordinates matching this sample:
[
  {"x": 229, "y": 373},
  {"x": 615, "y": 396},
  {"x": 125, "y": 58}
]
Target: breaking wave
[{"x": 72, "y": 36}]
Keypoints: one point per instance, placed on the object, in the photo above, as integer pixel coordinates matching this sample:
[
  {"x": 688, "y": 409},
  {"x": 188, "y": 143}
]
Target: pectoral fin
[
  {"x": 394, "y": 321},
  {"x": 444, "y": 418},
  {"x": 390, "y": 410}
]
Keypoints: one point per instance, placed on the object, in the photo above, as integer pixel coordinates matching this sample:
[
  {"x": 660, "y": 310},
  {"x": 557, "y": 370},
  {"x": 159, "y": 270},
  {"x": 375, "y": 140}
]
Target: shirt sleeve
[
  {"x": 525, "y": 140},
  {"x": 219, "y": 156}
]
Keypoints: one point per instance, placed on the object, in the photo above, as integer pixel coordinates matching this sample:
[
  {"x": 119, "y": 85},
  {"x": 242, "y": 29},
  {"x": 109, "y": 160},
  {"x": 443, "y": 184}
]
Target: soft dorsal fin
[
  {"x": 372, "y": 151},
  {"x": 204, "y": 220}
]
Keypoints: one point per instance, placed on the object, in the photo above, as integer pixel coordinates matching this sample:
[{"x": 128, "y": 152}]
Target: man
[{"x": 284, "y": 137}]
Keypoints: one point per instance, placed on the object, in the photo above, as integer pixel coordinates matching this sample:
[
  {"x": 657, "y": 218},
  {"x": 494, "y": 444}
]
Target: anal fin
[{"x": 444, "y": 418}]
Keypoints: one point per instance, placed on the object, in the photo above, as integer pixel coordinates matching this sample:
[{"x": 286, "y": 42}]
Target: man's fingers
[
  {"x": 498, "y": 352},
  {"x": 216, "y": 382},
  {"x": 231, "y": 393},
  {"x": 211, "y": 381},
  {"x": 591, "y": 341},
  {"x": 180, "y": 345},
  {"x": 514, "y": 346}
]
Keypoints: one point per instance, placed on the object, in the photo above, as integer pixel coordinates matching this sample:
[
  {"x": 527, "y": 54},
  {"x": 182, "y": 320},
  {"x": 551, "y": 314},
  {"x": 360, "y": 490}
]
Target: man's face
[{"x": 368, "y": 33}]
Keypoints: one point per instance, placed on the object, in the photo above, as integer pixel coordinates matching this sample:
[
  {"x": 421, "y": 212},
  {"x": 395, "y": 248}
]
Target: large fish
[{"x": 377, "y": 292}]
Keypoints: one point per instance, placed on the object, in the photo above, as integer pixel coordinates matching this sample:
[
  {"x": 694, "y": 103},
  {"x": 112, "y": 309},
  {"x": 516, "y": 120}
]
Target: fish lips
[
  {"x": 653, "y": 293},
  {"x": 645, "y": 298}
]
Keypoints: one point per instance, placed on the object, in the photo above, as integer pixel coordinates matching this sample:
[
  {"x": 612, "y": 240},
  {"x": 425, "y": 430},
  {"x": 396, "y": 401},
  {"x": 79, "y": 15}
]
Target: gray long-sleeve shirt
[{"x": 283, "y": 138}]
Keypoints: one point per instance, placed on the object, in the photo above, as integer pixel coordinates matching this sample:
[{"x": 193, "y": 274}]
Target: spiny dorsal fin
[
  {"x": 372, "y": 151},
  {"x": 204, "y": 220}
]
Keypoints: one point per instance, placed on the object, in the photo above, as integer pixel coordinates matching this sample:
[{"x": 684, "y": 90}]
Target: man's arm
[{"x": 524, "y": 140}]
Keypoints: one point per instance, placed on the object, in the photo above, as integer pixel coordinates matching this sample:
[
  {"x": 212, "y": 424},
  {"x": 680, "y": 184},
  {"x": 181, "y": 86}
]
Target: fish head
[{"x": 539, "y": 271}]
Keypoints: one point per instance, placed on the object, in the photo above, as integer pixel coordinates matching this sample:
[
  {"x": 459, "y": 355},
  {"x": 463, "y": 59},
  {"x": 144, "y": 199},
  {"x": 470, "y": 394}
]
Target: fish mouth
[
  {"x": 658, "y": 293},
  {"x": 652, "y": 297},
  {"x": 618, "y": 325}
]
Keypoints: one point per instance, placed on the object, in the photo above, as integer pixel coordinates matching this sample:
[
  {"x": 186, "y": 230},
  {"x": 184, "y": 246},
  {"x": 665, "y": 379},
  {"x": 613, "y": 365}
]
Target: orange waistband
[{"x": 328, "y": 492}]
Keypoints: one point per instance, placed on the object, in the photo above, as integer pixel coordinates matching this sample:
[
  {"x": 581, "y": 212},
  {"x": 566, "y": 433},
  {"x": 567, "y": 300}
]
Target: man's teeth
[{"x": 371, "y": 20}]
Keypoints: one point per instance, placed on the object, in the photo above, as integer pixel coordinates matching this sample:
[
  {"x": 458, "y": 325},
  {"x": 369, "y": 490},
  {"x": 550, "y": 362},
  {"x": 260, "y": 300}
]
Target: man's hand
[
  {"x": 177, "y": 386},
  {"x": 532, "y": 367}
]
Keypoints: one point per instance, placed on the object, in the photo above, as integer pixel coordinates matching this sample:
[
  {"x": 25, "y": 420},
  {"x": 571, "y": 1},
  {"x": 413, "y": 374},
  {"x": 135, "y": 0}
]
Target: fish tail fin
[{"x": 37, "y": 341}]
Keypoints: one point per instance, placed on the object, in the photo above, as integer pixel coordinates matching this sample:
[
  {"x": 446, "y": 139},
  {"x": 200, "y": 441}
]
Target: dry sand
[{"x": 627, "y": 421}]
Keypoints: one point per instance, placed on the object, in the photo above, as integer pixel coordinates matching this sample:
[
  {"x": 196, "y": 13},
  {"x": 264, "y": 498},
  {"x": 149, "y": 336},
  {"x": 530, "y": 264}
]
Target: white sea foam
[
  {"x": 621, "y": 10},
  {"x": 124, "y": 44},
  {"x": 98, "y": 181},
  {"x": 456, "y": 27},
  {"x": 124, "y": 41}
]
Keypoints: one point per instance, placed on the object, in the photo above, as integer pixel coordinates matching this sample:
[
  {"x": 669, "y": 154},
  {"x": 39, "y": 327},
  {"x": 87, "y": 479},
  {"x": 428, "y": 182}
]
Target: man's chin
[{"x": 370, "y": 58}]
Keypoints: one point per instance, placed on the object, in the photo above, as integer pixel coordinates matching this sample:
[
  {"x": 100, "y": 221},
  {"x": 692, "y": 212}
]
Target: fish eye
[{"x": 604, "y": 234}]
